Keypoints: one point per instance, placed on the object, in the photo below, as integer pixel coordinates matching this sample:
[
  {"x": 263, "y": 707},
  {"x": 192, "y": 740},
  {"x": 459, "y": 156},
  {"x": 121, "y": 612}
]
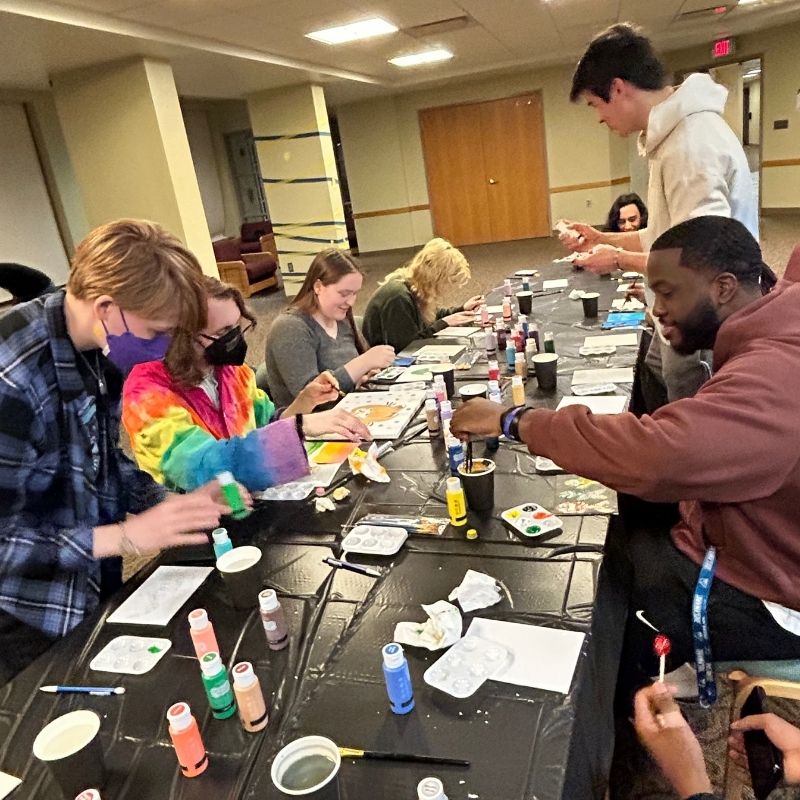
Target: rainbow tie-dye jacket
[{"x": 181, "y": 439}]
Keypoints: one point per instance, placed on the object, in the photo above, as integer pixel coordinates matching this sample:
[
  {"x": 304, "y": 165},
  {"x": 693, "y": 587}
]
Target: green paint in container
[
  {"x": 218, "y": 688},
  {"x": 230, "y": 491}
]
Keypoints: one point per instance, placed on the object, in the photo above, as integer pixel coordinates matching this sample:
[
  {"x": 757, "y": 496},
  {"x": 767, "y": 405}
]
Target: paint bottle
[
  {"x": 493, "y": 370},
  {"x": 232, "y": 496},
  {"x": 217, "y": 686},
  {"x": 273, "y": 619},
  {"x": 89, "y": 794},
  {"x": 507, "y": 290},
  {"x": 506, "y": 309},
  {"x": 432, "y": 416},
  {"x": 517, "y": 391},
  {"x": 519, "y": 340},
  {"x": 492, "y": 386},
  {"x": 456, "y": 502},
  {"x": 440, "y": 388},
  {"x": 430, "y": 789},
  {"x": 496, "y": 396},
  {"x": 398, "y": 679},
  {"x": 484, "y": 315},
  {"x": 526, "y": 284},
  {"x": 533, "y": 333},
  {"x": 502, "y": 335},
  {"x": 491, "y": 344},
  {"x": 430, "y": 393},
  {"x": 186, "y": 740},
  {"x": 523, "y": 324},
  {"x": 202, "y": 632},
  {"x": 530, "y": 351},
  {"x": 549, "y": 342},
  {"x": 520, "y": 365},
  {"x": 455, "y": 454},
  {"x": 222, "y": 542},
  {"x": 249, "y": 698},
  {"x": 445, "y": 411}
]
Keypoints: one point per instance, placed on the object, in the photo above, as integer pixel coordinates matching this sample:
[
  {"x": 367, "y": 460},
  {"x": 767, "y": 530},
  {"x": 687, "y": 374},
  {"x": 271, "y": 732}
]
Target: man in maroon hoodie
[{"x": 730, "y": 455}]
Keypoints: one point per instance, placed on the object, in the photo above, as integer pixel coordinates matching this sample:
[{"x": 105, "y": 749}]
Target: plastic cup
[
  {"x": 478, "y": 484},
  {"x": 300, "y": 768},
  {"x": 525, "y": 302},
  {"x": 70, "y": 746},
  {"x": 240, "y": 569},
  {"x": 546, "y": 366},
  {"x": 447, "y": 371},
  {"x": 589, "y": 301},
  {"x": 472, "y": 390}
]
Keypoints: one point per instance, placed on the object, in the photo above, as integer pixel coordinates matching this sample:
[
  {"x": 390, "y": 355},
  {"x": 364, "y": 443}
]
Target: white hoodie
[{"x": 697, "y": 165}]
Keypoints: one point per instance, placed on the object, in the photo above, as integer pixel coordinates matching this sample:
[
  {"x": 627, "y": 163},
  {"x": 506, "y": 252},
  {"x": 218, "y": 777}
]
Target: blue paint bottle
[
  {"x": 222, "y": 542},
  {"x": 398, "y": 679},
  {"x": 510, "y": 353},
  {"x": 455, "y": 454}
]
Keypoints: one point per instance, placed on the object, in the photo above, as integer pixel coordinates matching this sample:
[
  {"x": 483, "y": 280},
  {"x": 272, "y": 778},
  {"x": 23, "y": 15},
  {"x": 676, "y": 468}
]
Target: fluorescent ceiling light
[
  {"x": 365, "y": 29},
  {"x": 426, "y": 57},
  {"x": 748, "y": 2}
]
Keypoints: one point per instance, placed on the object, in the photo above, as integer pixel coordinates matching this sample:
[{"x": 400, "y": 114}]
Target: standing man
[{"x": 697, "y": 166}]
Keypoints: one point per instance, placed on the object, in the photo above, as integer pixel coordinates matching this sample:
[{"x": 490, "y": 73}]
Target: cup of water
[{"x": 308, "y": 767}]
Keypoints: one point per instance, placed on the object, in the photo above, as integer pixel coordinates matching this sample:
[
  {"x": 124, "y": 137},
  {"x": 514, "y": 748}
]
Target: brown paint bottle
[
  {"x": 249, "y": 698},
  {"x": 273, "y": 619}
]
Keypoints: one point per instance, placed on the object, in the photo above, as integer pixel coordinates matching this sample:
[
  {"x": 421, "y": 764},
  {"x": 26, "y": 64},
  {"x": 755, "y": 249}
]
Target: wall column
[{"x": 126, "y": 139}]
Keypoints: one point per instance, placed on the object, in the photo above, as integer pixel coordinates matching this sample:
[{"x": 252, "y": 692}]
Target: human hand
[
  {"x": 784, "y": 735},
  {"x": 579, "y": 237},
  {"x": 380, "y": 356},
  {"x": 213, "y": 490},
  {"x": 667, "y": 736},
  {"x": 459, "y": 318},
  {"x": 323, "y": 389},
  {"x": 336, "y": 421},
  {"x": 366, "y": 377},
  {"x": 477, "y": 418},
  {"x": 635, "y": 291},
  {"x": 474, "y": 302},
  {"x": 601, "y": 259}
]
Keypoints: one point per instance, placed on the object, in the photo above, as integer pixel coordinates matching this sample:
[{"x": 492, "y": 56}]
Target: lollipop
[{"x": 661, "y": 647}]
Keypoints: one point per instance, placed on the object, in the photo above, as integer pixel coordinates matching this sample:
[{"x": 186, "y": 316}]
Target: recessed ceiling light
[
  {"x": 426, "y": 57},
  {"x": 365, "y": 29},
  {"x": 748, "y": 2}
]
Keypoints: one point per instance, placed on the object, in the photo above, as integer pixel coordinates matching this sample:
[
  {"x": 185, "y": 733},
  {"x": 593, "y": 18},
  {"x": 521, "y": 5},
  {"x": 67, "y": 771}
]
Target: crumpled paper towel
[
  {"x": 442, "y": 628},
  {"x": 366, "y": 464},
  {"x": 576, "y": 294},
  {"x": 477, "y": 590}
]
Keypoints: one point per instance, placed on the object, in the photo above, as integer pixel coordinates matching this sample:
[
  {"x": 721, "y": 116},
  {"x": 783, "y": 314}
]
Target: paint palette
[
  {"x": 467, "y": 665},
  {"x": 296, "y": 490},
  {"x": 130, "y": 655},
  {"x": 531, "y": 521},
  {"x": 389, "y": 375},
  {"x": 376, "y": 540},
  {"x": 608, "y": 350},
  {"x": 594, "y": 388},
  {"x": 546, "y": 465}
]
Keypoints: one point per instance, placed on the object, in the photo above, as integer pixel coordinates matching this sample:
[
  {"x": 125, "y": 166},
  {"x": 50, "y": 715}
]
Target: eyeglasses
[{"x": 244, "y": 330}]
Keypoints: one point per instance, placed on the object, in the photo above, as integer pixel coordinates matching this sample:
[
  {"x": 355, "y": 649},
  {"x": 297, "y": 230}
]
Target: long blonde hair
[{"x": 434, "y": 268}]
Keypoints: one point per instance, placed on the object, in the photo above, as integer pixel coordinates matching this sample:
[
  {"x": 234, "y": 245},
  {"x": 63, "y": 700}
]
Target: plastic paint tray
[
  {"x": 531, "y": 520},
  {"x": 130, "y": 655},
  {"x": 377, "y": 540},
  {"x": 584, "y": 390},
  {"x": 467, "y": 665},
  {"x": 605, "y": 350}
]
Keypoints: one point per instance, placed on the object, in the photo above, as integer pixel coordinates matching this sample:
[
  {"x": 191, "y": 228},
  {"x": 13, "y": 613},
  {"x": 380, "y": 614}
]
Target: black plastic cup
[
  {"x": 546, "y": 366},
  {"x": 70, "y": 746},
  {"x": 589, "y": 301},
  {"x": 447, "y": 371},
  {"x": 478, "y": 484},
  {"x": 525, "y": 302},
  {"x": 240, "y": 569},
  {"x": 472, "y": 390}
]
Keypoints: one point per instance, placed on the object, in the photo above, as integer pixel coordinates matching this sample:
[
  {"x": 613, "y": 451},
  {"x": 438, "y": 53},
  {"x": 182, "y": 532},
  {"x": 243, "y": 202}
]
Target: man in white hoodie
[{"x": 697, "y": 165}]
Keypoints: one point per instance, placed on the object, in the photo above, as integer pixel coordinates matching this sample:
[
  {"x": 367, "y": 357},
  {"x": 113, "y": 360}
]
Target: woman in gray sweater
[{"x": 317, "y": 332}]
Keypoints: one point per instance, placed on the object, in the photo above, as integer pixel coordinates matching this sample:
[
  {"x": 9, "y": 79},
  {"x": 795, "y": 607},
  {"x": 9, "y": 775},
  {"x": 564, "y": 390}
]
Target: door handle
[{"x": 492, "y": 181}]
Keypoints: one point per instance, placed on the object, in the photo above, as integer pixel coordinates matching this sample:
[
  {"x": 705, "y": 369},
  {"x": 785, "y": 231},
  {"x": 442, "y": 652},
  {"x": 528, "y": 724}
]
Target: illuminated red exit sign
[{"x": 723, "y": 48}]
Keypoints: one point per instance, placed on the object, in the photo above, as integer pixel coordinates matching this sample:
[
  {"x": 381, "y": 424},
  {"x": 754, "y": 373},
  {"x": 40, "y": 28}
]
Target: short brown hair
[
  {"x": 182, "y": 360},
  {"x": 144, "y": 268}
]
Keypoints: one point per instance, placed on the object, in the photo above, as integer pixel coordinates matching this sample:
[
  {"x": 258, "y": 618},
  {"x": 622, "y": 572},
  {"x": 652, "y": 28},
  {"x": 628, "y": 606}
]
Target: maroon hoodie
[{"x": 730, "y": 454}]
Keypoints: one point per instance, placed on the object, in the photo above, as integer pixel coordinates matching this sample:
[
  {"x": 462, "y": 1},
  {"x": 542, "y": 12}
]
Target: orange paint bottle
[
  {"x": 249, "y": 697},
  {"x": 186, "y": 740}
]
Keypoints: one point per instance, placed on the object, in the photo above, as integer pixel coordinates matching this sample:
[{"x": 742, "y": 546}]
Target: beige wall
[
  {"x": 198, "y": 131},
  {"x": 385, "y": 165},
  {"x": 730, "y": 76},
  {"x": 125, "y": 135},
  {"x": 780, "y": 81}
]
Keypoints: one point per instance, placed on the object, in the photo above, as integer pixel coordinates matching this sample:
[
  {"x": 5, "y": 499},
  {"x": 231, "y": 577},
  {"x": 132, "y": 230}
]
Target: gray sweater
[{"x": 298, "y": 349}]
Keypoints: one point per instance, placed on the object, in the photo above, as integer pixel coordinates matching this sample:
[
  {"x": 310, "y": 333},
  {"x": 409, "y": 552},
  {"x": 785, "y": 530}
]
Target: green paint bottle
[
  {"x": 230, "y": 491},
  {"x": 217, "y": 686}
]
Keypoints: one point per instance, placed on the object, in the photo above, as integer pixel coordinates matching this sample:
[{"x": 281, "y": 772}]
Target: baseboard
[{"x": 785, "y": 211}]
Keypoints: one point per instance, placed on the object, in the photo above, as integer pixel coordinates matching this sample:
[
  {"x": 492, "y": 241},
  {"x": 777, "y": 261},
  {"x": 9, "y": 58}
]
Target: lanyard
[{"x": 706, "y": 685}]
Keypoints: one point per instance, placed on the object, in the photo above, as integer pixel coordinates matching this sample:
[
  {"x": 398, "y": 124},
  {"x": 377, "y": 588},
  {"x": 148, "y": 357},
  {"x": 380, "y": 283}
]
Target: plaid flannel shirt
[{"x": 61, "y": 470}]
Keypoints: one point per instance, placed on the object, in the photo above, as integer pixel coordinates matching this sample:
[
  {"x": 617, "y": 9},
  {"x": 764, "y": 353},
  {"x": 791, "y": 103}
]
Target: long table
[{"x": 522, "y": 742}]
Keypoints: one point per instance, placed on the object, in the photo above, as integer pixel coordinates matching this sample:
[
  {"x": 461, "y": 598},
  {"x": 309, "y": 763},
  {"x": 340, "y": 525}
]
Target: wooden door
[
  {"x": 512, "y": 132},
  {"x": 457, "y": 187},
  {"x": 487, "y": 170}
]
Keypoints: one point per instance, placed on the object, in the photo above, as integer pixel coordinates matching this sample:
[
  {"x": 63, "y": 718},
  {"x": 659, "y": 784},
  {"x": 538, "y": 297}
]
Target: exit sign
[{"x": 723, "y": 48}]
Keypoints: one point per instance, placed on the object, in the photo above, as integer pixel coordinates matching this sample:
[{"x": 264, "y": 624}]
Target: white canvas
[
  {"x": 386, "y": 414},
  {"x": 597, "y": 404},
  {"x": 558, "y": 283},
  {"x": 616, "y": 375},
  {"x": 617, "y": 339}
]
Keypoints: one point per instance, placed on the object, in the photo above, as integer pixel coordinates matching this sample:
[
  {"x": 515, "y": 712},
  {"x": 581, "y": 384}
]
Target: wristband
[
  {"x": 509, "y": 422},
  {"x": 126, "y": 546},
  {"x": 298, "y": 423}
]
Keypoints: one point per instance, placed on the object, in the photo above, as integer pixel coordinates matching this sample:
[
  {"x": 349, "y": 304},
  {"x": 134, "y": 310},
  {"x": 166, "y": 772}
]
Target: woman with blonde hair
[
  {"x": 405, "y": 307},
  {"x": 199, "y": 412},
  {"x": 318, "y": 333}
]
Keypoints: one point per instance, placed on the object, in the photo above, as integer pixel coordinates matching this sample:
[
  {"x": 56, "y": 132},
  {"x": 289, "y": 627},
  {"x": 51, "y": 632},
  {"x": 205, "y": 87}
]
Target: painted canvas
[{"x": 386, "y": 414}]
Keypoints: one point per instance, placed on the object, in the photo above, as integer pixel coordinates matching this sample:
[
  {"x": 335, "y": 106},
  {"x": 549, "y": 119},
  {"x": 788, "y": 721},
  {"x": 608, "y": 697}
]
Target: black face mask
[{"x": 228, "y": 349}]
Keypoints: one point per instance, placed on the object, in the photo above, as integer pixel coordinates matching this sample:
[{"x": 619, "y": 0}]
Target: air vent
[
  {"x": 439, "y": 27},
  {"x": 704, "y": 12}
]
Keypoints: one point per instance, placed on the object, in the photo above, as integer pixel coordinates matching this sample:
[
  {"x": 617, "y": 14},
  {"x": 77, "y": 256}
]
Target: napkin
[
  {"x": 442, "y": 628},
  {"x": 477, "y": 590}
]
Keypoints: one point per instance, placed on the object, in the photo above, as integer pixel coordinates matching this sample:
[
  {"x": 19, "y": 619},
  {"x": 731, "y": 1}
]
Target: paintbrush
[
  {"x": 378, "y": 755},
  {"x": 629, "y": 293},
  {"x": 335, "y": 383}
]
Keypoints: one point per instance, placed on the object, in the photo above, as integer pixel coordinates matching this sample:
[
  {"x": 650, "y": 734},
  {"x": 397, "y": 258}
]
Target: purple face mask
[{"x": 127, "y": 350}]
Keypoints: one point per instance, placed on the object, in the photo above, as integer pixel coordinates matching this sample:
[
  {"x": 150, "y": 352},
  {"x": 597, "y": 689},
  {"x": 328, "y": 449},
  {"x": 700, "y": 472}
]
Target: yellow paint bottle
[{"x": 456, "y": 502}]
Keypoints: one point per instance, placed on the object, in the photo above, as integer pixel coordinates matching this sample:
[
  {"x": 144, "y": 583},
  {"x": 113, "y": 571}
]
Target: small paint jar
[
  {"x": 222, "y": 542},
  {"x": 217, "y": 686},
  {"x": 273, "y": 619},
  {"x": 187, "y": 741},
  {"x": 430, "y": 789},
  {"x": 202, "y": 632},
  {"x": 249, "y": 697}
]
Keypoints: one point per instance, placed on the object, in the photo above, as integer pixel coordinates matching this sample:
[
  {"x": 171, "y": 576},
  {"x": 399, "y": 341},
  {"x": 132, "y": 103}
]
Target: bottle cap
[
  {"x": 516, "y": 380},
  {"x": 445, "y": 405},
  {"x": 522, "y": 318},
  {"x": 519, "y": 357},
  {"x": 179, "y": 716},
  {"x": 319, "y": 491},
  {"x": 211, "y": 663},
  {"x": 225, "y": 478},
  {"x": 494, "y": 386},
  {"x": 198, "y": 619},
  {"x": 89, "y": 794},
  {"x": 438, "y": 378},
  {"x": 548, "y": 335},
  {"x": 268, "y": 600},
  {"x": 493, "y": 363},
  {"x": 430, "y": 404},
  {"x": 430, "y": 789},
  {"x": 220, "y": 535},
  {"x": 472, "y": 534},
  {"x": 243, "y": 674},
  {"x": 453, "y": 484},
  {"x": 393, "y": 655}
]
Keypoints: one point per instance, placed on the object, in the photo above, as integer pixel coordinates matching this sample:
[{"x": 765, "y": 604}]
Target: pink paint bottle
[
  {"x": 273, "y": 619},
  {"x": 202, "y": 632}
]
